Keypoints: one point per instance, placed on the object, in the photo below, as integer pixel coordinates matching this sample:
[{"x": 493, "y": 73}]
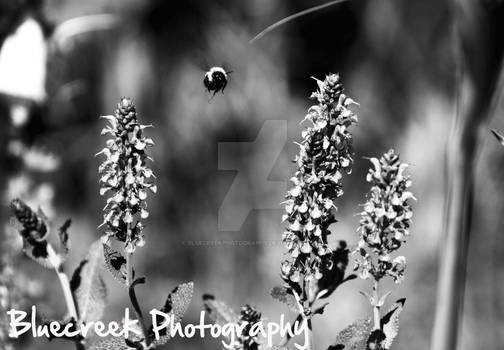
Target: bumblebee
[{"x": 216, "y": 80}]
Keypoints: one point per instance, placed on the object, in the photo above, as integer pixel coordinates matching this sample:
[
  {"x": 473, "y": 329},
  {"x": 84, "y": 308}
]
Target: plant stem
[
  {"x": 132, "y": 295},
  {"x": 67, "y": 292},
  {"x": 310, "y": 344},
  {"x": 478, "y": 58},
  {"x": 376, "y": 308},
  {"x": 64, "y": 282},
  {"x": 129, "y": 269},
  {"x": 299, "y": 318},
  {"x": 307, "y": 319}
]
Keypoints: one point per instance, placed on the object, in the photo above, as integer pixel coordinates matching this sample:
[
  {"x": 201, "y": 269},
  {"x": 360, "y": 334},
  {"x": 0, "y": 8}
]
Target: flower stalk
[
  {"x": 384, "y": 226},
  {"x": 125, "y": 179},
  {"x": 325, "y": 154},
  {"x": 64, "y": 282},
  {"x": 34, "y": 232},
  {"x": 376, "y": 307}
]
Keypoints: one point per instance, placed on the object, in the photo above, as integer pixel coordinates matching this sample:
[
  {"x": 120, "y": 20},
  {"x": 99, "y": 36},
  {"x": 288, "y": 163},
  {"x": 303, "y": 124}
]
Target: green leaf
[
  {"x": 88, "y": 286},
  {"x": 282, "y": 294},
  {"x": 354, "y": 336},
  {"x": 115, "y": 264},
  {"x": 390, "y": 322},
  {"x": 218, "y": 311}
]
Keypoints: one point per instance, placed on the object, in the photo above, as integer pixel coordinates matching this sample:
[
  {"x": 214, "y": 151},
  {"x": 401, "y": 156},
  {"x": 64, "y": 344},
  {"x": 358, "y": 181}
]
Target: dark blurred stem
[
  {"x": 479, "y": 47},
  {"x": 132, "y": 295},
  {"x": 65, "y": 287},
  {"x": 129, "y": 271},
  {"x": 376, "y": 308},
  {"x": 452, "y": 273}
]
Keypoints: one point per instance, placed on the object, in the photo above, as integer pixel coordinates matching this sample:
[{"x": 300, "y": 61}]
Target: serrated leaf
[
  {"x": 163, "y": 339},
  {"x": 115, "y": 264},
  {"x": 111, "y": 343},
  {"x": 218, "y": 311},
  {"x": 88, "y": 286},
  {"x": 178, "y": 300},
  {"x": 390, "y": 322},
  {"x": 282, "y": 294},
  {"x": 176, "y": 304},
  {"x": 354, "y": 336}
]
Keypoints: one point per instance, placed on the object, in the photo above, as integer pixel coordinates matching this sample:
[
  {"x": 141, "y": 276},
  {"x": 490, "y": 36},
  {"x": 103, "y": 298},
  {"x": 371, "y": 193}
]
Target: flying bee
[{"x": 216, "y": 80}]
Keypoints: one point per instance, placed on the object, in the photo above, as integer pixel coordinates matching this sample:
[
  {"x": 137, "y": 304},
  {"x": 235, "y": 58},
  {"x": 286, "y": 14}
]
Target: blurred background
[{"x": 395, "y": 58}]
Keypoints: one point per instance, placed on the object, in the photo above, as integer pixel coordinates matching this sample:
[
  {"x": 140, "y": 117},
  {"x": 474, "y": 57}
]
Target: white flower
[
  {"x": 385, "y": 220},
  {"x": 127, "y": 181},
  {"x": 324, "y": 154}
]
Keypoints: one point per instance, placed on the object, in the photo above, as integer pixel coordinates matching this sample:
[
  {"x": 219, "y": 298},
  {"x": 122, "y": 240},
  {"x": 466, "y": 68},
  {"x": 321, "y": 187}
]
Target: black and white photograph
[{"x": 251, "y": 174}]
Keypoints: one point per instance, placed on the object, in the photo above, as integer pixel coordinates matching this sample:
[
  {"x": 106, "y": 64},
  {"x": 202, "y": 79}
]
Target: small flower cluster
[
  {"x": 251, "y": 316},
  {"x": 325, "y": 154},
  {"x": 125, "y": 176},
  {"x": 385, "y": 220},
  {"x": 33, "y": 228}
]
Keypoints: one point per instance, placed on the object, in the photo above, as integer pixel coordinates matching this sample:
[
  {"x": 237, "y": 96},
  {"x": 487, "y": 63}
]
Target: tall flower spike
[
  {"x": 385, "y": 220},
  {"x": 125, "y": 177},
  {"x": 325, "y": 154}
]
